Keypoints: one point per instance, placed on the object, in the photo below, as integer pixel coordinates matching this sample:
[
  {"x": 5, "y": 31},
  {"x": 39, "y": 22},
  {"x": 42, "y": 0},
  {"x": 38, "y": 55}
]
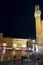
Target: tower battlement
[
  {"x": 37, "y": 11},
  {"x": 37, "y": 8}
]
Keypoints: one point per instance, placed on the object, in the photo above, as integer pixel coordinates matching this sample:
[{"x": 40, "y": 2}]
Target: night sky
[{"x": 17, "y": 18}]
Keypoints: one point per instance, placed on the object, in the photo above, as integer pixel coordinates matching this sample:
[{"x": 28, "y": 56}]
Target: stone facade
[{"x": 8, "y": 42}]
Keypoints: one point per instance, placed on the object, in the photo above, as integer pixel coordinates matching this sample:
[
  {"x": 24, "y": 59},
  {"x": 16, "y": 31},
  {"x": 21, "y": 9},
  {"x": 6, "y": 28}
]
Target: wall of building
[{"x": 8, "y": 42}]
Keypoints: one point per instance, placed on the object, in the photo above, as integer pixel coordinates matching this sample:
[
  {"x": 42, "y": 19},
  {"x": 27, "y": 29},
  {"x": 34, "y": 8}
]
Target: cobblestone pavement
[{"x": 19, "y": 63}]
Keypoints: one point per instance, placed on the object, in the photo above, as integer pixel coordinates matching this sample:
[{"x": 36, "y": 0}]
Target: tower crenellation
[{"x": 37, "y": 11}]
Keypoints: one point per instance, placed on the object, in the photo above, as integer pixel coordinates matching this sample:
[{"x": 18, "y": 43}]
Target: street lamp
[{"x": 24, "y": 46}]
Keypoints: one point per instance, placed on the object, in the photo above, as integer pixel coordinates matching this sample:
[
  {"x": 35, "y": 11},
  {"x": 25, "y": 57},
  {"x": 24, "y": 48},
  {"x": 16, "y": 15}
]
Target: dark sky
[{"x": 17, "y": 18}]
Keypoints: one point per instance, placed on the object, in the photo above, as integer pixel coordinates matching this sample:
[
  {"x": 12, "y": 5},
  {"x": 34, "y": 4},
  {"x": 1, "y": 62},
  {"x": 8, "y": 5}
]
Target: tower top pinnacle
[
  {"x": 37, "y": 11},
  {"x": 37, "y": 8}
]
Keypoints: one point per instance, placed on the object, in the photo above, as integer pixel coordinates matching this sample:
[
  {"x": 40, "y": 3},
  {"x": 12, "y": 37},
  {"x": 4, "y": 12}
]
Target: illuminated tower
[{"x": 37, "y": 16}]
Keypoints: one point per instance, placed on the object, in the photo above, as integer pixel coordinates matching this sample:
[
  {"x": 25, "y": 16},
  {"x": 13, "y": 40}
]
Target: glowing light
[
  {"x": 23, "y": 45},
  {"x": 14, "y": 45},
  {"x": 4, "y": 44},
  {"x": 33, "y": 40}
]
